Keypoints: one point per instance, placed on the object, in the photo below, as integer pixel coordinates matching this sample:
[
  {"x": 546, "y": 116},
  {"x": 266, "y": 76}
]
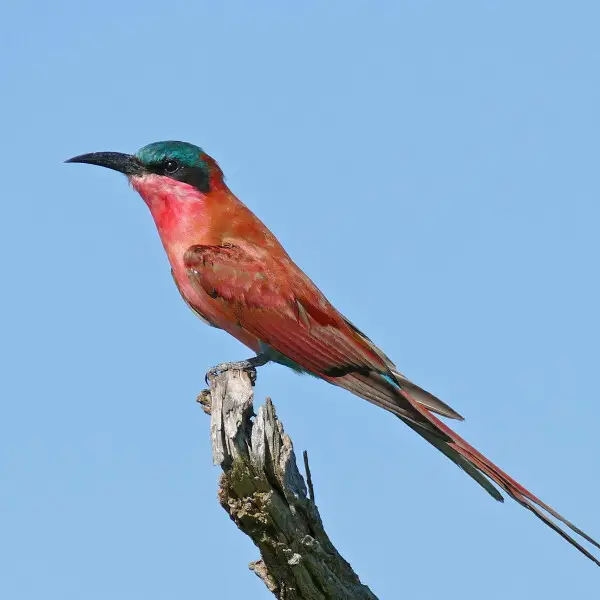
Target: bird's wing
[
  {"x": 272, "y": 299},
  {"x": 422, "y": 396}
]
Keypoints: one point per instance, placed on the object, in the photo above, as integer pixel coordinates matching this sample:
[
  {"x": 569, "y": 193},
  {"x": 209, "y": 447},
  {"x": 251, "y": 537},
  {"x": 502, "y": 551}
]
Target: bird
[{"x": 234, "y": 274}]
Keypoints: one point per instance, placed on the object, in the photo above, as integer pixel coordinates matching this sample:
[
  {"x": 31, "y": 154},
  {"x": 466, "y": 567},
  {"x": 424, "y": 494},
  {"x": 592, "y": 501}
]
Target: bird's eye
[{"x": 170, "y": 166}]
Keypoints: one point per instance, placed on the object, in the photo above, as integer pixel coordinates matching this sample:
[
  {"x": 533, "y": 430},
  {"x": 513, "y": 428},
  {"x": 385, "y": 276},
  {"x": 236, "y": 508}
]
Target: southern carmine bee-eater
[{"x": 235, "y": 275}]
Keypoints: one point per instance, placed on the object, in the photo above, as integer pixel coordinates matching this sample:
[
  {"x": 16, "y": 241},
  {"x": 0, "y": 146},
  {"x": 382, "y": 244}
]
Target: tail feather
[
  {"x": 460, "y": 452},
  {"x": 445, "y": 448},
  {"x": 415, "y": 407}
]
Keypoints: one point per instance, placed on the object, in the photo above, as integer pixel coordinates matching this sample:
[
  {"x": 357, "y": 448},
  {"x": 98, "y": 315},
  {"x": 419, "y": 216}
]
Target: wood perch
[{"x": 265, "y": 495}]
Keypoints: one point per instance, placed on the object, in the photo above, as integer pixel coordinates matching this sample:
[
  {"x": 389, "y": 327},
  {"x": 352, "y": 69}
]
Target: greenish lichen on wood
[{"x": 265, "y": 495}]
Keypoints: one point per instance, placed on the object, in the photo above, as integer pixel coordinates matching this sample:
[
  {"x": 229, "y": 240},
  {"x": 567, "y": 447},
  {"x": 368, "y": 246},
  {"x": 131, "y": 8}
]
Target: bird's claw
[
  {"x": 243, "y": 365},
  {"x": 248, "y": 366}
]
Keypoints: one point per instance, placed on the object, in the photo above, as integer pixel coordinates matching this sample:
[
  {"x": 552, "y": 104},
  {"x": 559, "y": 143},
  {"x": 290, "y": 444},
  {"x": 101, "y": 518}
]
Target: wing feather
[
  {"x": 275, "y": 301},
  {"x": 278, "y": 304}
]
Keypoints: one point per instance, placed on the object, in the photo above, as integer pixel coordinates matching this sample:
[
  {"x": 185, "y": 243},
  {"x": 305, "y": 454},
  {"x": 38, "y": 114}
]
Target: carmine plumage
[{"x": 235, "y": 275}]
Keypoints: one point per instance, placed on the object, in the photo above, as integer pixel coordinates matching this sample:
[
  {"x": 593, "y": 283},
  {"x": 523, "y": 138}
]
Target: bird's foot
[{"x": 249, "y": 366}]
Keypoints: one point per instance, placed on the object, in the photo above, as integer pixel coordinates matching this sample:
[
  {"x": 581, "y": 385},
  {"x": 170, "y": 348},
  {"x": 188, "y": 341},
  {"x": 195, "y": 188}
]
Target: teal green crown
[{"x": 187, "y": 154}]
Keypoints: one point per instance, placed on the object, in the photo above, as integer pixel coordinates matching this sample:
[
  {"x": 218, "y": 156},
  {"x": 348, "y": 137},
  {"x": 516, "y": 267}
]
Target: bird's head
[{"x": 179, "y": 161}]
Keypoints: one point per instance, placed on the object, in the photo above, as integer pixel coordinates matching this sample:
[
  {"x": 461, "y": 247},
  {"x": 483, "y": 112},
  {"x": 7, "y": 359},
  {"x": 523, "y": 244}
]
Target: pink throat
[{"x": 174, "y": 205}]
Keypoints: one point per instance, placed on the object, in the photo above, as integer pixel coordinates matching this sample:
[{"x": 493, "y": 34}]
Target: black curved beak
[{"x": 124, "y": 163}]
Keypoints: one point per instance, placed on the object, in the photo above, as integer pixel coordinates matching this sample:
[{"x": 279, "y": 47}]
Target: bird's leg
[{"x": 248, "y": 365}]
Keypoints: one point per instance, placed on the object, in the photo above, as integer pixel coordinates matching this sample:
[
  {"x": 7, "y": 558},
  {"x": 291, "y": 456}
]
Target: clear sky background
[{"x": 433, "y": 166}]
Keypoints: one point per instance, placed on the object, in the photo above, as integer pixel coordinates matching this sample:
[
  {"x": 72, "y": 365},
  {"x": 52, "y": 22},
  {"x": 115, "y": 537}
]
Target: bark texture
[{"x": 265, "y": 495}]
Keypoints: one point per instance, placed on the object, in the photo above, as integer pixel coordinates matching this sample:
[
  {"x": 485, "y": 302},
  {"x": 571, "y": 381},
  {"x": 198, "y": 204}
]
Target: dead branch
[{"x": 265, "y": 495}]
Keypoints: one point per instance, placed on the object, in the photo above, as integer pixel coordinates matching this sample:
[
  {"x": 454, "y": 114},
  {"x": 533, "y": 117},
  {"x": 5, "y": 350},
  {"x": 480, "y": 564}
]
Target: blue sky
[{"x": 433, "y": 166}]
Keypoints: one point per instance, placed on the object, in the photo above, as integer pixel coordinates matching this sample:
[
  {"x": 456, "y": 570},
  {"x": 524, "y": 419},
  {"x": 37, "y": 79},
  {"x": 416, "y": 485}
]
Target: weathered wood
[{"x": 265, "y": 495}]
